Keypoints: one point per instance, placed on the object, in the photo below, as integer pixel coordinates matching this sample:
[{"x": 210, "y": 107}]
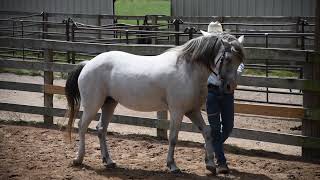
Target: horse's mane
[
  {"x": 199, "y": 50},
  {"x": 204, "y": 48}
]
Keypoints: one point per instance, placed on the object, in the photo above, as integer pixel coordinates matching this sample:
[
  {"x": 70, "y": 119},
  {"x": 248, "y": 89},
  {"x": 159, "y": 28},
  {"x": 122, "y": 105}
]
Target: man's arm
[{"x": 240, "y": 69}]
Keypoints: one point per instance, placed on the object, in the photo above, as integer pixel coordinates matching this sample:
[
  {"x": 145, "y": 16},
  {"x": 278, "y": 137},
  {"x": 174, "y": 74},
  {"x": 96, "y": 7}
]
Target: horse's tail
[{"x": 73, "y": 96}]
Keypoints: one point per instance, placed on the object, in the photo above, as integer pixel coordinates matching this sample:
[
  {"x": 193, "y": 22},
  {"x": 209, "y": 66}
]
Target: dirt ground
[
  {"x": 36, "y": 152},
  {"x": 29, "y": 151}
]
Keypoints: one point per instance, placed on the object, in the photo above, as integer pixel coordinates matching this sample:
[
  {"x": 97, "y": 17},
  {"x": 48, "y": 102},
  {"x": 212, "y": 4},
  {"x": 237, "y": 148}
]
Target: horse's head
[
  {"x": 227, "y": 54},
  {"x": 220, "y": 53},
  {"x": 227, "y": 61}
]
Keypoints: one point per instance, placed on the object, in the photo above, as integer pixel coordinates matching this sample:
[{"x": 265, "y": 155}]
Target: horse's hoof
[
  {"x": 176, "y": 171},
  {"x": 212, "y": 169},
  {"x": 76, "y": 162},
  {"x": 110, "y": 165}
]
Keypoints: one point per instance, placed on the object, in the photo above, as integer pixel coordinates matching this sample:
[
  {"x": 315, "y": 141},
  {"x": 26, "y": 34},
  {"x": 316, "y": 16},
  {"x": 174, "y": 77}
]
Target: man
[{"x": 220, "y": 109}]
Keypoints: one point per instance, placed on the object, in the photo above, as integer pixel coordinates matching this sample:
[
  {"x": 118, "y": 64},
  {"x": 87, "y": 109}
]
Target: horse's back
[{"x": 137, "y": 82}]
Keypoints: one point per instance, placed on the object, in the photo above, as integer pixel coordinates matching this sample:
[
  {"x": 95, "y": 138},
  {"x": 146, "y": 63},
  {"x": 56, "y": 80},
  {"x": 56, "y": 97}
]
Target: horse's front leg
[
  {"x": 175, "y": 122},
  {"x": 197, "y": 119},
  {"x": 107, "y": 111}
]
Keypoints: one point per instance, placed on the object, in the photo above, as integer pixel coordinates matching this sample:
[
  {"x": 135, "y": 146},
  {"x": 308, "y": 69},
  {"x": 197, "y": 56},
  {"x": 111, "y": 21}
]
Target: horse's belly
[
  {"x": 144, "y": 108},
  {"x": 143, "y": 104},
  {"x": 141, "y": 100}
]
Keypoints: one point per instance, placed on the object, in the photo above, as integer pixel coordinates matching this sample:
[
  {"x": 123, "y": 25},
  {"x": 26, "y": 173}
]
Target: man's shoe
[{"x": 222, "y": 169}]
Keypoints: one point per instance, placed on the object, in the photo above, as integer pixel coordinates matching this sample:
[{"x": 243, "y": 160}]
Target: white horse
[{"x": 175, "y": 81}]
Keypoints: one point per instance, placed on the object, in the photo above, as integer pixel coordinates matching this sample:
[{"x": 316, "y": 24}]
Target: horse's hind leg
[
  {"x": 91, "y": 105},
  {"x": 106, "y": 116},
  {"x": 196, "y": 118},
  {"x": 87, "y": 116}
]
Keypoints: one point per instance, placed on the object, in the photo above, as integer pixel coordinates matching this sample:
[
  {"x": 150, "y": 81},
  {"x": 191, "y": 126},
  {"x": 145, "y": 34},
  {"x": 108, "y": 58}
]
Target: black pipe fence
[{"x": 71, "y": 30}]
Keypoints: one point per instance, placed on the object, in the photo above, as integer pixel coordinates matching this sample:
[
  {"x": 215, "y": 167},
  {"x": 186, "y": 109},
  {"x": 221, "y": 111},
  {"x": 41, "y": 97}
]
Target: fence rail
[
  {"x": 300, "y": 84},
  {"x": 242, "y": 108},
  {"x": 49, "y": 66},
  {"x": 298, "y": 29},
  {"x": 260, "y": 55},
  {"x": 272, "y": 54},
  {"x": 265, "y": 136}
]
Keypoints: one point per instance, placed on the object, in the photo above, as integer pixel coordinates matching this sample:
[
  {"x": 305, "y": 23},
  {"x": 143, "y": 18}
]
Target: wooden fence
[{"x": 162, "y": 124}]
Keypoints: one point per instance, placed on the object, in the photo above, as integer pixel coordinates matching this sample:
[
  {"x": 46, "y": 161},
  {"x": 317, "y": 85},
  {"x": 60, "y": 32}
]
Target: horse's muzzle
[{"x": 230, "y": 87}]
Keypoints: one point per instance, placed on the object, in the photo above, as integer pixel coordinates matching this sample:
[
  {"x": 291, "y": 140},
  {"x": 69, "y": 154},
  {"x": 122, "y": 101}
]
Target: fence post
[
  {"x": 154, "y": 22},
  {"x": 312, "y": 99},
  {"x": 44, "y": 25},
  {"x": 297, "y": 30},
  {"x": 267, "y": 65},
  {"x": 48, "y": 80},
  {"x": 22, "y": 36},
  {"x": 73, "y": 54},
  {"x": 99, "y": 24},
  {"x": 13, "y": 35},
  {"x": 303, "y": 23},
  {"x": 115, "y": 21},
  {"x": 161, "y": 115},
  {"x": 190, "y": 31},
  {"x": 162, "y": 133},
  {"x": 67, "y": 21},
  {"x": 127, "y": 36},
  {"x": 176, "y": 23}
]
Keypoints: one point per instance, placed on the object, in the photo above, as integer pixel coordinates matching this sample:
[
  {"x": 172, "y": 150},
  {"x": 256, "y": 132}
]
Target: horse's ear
[
  {"x": 241, "y": 39},
  {"x": 205, "y": 33}
]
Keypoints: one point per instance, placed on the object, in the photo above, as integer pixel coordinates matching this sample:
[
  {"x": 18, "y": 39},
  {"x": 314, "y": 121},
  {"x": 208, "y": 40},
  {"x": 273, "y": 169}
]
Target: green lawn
[
  {"x": 142, "y": 7},
  {"x": 272, "y": 73}
]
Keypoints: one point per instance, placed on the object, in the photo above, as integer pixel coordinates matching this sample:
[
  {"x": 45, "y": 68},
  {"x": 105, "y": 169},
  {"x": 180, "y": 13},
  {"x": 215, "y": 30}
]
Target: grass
[
  {"x": 272, "y": 73},
  {"x": 21, "y": 72},
  {"x": 141, "y": 8},
  {"x": 283, "y": 73}
]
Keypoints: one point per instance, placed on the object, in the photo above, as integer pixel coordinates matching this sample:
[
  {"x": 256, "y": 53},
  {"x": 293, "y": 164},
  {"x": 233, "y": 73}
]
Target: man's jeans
[{"x": 219, "y": 103}]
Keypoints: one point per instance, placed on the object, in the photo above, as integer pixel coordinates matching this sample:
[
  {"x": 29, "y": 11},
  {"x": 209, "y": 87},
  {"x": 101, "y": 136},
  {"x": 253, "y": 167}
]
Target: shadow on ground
[
  {"x": 138, "y": 137},
  {"x": 126, "y": 173}
]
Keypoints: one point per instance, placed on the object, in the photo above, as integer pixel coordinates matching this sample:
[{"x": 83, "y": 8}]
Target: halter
[{"x": 221, "y": 58}]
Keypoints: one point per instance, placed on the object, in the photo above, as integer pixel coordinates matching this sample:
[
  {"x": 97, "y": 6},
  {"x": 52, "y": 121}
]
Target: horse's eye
[{"x": 228, "y": 59}]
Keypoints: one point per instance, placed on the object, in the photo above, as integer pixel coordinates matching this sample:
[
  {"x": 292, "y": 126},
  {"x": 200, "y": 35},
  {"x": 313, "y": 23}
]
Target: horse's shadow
[
  {"x": 229, "y": 148},
  {"x": 120, "y": 172}
]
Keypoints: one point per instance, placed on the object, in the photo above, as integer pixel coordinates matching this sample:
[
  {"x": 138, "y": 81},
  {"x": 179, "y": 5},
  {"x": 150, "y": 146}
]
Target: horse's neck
[
  {"x": 201, "y": 73},
  {"x": 198, "y": 73},
  {"x": 197, "y": 81}
]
